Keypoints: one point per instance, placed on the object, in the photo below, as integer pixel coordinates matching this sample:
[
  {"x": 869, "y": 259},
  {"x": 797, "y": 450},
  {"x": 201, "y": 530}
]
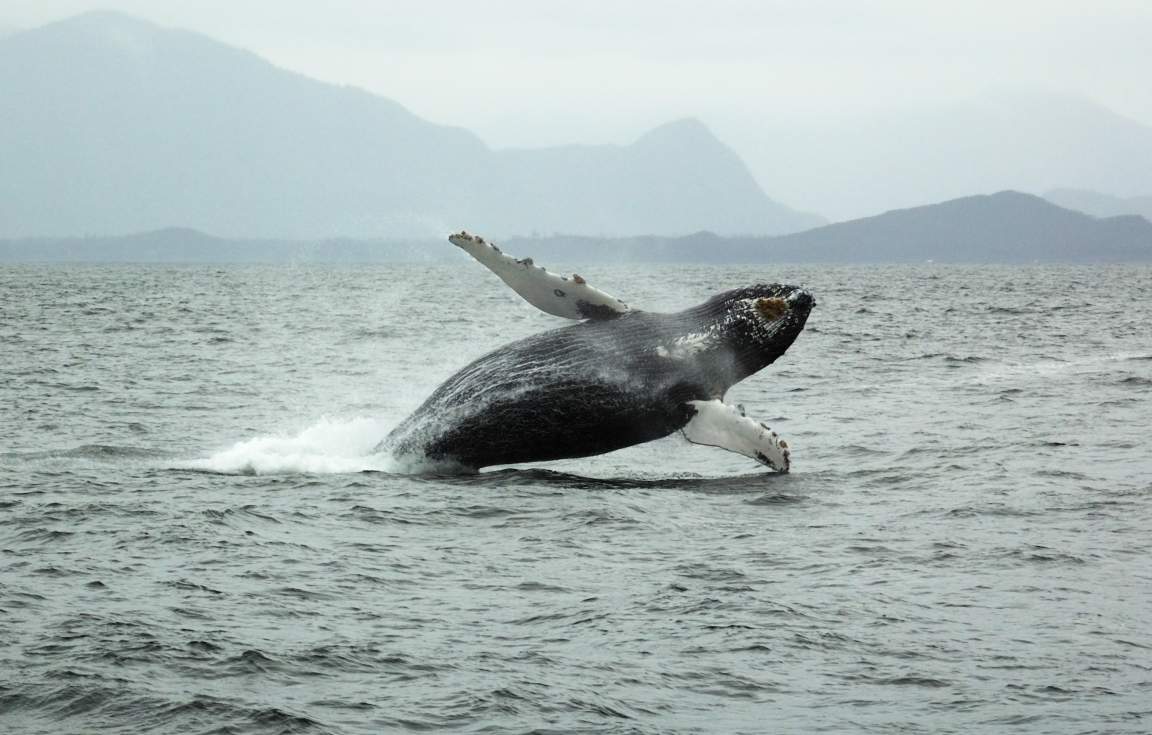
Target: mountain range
[
  {"x": 113, "y": 124},
  {"x": 1100, "y": 205},
  {"x": 1007, "y": 227}
]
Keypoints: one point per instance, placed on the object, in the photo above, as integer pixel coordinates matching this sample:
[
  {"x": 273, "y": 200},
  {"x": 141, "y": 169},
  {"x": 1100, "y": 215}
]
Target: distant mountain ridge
[
  {"x": 113, "y": 124},
  {"x": 1007, "y": 227},
  {"x": 1100, "y": 205}
]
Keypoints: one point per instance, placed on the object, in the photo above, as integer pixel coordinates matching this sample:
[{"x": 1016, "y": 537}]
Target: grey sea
[{"x": 196, "y": 537}]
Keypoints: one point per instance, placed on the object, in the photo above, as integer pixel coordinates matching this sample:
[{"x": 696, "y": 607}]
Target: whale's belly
[
  {"x": 572, "y": 392},
  {"x": 556, "y": 421}
]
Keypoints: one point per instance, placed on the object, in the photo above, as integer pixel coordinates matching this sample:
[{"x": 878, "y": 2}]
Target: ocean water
[{"x": 195, "y": 536}]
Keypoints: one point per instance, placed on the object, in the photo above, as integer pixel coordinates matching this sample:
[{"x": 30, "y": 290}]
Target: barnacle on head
[{"x": 771, "y": 308}]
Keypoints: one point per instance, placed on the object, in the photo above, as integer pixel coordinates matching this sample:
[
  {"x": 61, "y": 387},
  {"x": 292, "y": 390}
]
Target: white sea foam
[{"x": 330, "y": 446}]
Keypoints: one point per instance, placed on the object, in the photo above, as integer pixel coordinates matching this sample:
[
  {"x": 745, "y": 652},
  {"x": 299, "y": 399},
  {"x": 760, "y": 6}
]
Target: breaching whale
[{"x": 619, "y": 377}]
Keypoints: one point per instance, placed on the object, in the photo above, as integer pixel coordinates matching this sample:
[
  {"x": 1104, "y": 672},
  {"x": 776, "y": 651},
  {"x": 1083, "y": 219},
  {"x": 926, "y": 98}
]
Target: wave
[
  {"x": 1058, "y": 368},
  {"x": 87, "y": 451}
]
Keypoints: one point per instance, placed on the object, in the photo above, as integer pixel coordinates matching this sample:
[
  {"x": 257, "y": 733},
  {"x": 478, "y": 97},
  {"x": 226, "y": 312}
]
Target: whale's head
[{"x": 757, "y": 323}]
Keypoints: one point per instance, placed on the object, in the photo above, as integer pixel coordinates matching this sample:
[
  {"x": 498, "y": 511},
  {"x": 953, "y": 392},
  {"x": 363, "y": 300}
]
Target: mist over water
[{"x": 196, "y": 534}]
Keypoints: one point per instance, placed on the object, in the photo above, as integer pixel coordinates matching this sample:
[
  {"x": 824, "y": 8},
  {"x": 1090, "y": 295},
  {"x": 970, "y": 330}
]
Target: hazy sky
[{"x": 525, "y": 72}]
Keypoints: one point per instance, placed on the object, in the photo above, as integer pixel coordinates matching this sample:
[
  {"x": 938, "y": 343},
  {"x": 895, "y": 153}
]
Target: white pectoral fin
[
  {"x": 717, "y": 424},
  {"x": 571, "y": 298}
]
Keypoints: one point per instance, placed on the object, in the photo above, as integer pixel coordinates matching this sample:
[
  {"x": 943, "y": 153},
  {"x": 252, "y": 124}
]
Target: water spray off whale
[{"x": 619, "y": 377}]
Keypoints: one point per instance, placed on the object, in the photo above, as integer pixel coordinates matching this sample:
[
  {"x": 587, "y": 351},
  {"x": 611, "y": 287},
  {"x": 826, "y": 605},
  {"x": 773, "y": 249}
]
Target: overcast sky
[{"x": 525, "y": 72}]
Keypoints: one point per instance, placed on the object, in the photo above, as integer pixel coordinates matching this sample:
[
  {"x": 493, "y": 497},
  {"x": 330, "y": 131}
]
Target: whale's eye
[{"x": 771, "y": 308}]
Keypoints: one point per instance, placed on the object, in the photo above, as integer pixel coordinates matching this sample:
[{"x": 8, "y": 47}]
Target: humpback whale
[{"x": 620, "y": 376}]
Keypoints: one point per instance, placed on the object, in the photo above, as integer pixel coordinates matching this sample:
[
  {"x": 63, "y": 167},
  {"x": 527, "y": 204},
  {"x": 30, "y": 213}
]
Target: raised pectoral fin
[
  {"x": 717, "y": 424},
  {"x": 571, "y": 298}
]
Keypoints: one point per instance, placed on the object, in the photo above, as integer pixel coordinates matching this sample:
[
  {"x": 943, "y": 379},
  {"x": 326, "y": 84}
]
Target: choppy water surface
[{"x": 194, "y": 536}]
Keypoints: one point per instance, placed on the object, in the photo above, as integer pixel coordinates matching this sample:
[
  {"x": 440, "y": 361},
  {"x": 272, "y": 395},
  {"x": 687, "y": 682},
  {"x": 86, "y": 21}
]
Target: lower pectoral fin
[{"x": 717, "y": 424}]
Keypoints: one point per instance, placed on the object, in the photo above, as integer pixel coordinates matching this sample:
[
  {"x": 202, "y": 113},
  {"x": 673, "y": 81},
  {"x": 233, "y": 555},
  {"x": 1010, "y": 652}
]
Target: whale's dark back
[{"x": 580, "y": 390}]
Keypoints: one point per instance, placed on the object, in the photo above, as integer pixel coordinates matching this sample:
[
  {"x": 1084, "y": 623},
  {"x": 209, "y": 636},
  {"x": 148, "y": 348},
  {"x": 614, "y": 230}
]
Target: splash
[{"x": 328, "y": 447}]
